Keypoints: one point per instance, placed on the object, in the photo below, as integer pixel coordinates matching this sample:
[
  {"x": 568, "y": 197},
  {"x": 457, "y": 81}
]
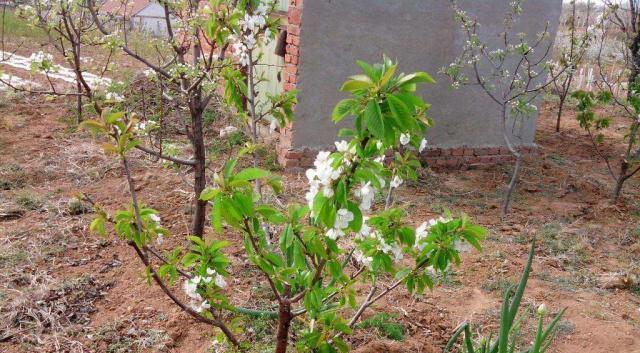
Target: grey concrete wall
[{"x": 423, "y": 36}]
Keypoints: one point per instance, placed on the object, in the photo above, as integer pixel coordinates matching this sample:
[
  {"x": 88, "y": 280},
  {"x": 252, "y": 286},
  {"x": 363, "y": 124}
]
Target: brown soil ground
[{"x": 65, "y": 289}]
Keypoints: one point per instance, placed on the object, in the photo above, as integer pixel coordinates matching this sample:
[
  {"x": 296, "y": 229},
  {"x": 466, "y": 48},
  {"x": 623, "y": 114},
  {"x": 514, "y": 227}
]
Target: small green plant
[
  {"x": 209, "y": 116},
  {"x": 570, "y": 58},
  {"x": 384, "y": 324},
  {"x": 269, "y": 158},
  {"x": 7, "y": 185},
  {"x": 28, "y": 201},
  {"x": 76, "y": 207},
  {"x": 509, "y": 331},
  {"x": 226, "y": 144},
  {"x": 499, "y": 284}
]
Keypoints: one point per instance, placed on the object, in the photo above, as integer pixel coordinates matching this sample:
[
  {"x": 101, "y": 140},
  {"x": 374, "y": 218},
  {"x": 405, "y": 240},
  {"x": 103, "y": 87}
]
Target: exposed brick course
[{"x": 437, "y": 158}]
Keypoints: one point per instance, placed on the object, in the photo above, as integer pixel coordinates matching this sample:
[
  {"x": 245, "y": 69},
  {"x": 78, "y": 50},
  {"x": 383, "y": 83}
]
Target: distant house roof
[{"x": 126, "y": 8}]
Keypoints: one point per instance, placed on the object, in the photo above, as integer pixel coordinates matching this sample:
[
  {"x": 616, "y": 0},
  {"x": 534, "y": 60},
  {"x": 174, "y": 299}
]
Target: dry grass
[{"x": 47, "y": 314}]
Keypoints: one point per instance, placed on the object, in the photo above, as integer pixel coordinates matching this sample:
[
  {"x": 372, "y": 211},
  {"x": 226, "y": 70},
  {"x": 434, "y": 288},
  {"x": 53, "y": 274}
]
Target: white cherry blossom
[
  {"x": 423, "y": 145},
  {"x": 405, "y": 139},
  {"x": 396, "y": 182},
  {"x": 366, "y": 193},
  {"x": 343, "y": 218}
]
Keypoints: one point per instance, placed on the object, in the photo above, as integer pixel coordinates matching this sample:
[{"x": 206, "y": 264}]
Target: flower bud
[{"x": 542, "y": 310}]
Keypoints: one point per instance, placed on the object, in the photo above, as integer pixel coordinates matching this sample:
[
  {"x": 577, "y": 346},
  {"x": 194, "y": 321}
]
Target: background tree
[
  {"x": 200, "y": 39},
  {"x": 69, "y": 28},
  {"x": 624, "y": 16},
  {"x": 609, "y": 92},
  {"x": 571, "y": 55},
  {"x": 512, "y": 73}
]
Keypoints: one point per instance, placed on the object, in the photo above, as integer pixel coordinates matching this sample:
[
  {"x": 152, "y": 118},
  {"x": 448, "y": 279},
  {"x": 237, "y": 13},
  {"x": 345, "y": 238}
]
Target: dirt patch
[{"x": 395, "y": 347}]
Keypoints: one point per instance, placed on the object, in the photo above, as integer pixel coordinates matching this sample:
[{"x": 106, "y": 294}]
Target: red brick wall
[{"x": 286, "y": 155}]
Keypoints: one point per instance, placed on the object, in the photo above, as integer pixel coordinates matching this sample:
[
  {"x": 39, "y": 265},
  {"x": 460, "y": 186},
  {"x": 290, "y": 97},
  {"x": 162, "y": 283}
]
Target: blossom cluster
[
  {"x": 180, "y": 70},
  {"x": 423, "y": 230},
  {"x": 328, "y": 169},
  {"x": 144, "y": 127},
  {"x": 114, "y": 97},
  {"x": 382, "y": 245},
  {"x": 322, "y": 176},
  {"x": 251, "y": 25},
  {"x": 406, "y": 138},
  {"x": 191, "y": 287},
  {"x": 42, "y": 62},
  {"x": 149, "y": 73}
]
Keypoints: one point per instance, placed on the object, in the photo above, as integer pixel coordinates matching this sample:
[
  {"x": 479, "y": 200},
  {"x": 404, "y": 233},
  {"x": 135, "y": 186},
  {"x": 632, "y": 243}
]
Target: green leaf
[
  {"x": 271, "y": 214},
  {"x": 356, "y": 224},
  {"x": 251, "y": 174},
  {"x": 400, "y": 112},
  {"x": 209, "y": 193},
  {"x": 228, "y": 168},
  {"x": 244, "y": 203},
  {"x": 111, "y": 118},
  {"x": 216, "y": 213},
  {"x": 369, "y": 70},
  {"x": 342, "y": 327},
  {"x": 416, "y": 77},
  {"x": 373, "y": 118},
  {"x": 276, "y": 184},
  {"x": 328, "y": 214},
  {"x": 97, "y": 226},
  {"x": 92, "y": 126},
  {"x": 343, "y": 108},
  {"x": 388, "y": 75},
  {"x": 189, "y": 259},
  {"x": 356, "y": 85},
  {"x": 341, "y": 193}
]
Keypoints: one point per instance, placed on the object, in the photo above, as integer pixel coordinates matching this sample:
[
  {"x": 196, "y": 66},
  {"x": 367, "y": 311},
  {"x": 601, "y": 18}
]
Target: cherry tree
[
  {"x": 512, "y": 73},
  {"x": 570, "y": 58},
  {"x": 322, "y": 254}
]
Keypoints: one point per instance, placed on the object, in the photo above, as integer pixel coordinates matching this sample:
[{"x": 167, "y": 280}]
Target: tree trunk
[
  {"x": 79, "y": 103},
  {"x": 254, "y": 118},
  {"x": 618, "y": 190},
  {"x": 516, "y": 171},
  {"x": 635, "y": 62},
  {"x": 560, "y": 106},
  {"x": 512, "y": 185},
  {"x": 199, "y": 178},
  {"x": 4, "y": 20},
  {"x": 79, "y": 90},
  {"x": 284, "y": 322}
]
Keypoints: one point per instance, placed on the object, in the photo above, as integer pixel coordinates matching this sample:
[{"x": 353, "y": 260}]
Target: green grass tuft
[{"x": 385, "y": 326}]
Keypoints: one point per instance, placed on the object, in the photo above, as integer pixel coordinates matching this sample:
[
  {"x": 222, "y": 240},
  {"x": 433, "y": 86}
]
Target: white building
[{"x": 139, "y": 15}]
